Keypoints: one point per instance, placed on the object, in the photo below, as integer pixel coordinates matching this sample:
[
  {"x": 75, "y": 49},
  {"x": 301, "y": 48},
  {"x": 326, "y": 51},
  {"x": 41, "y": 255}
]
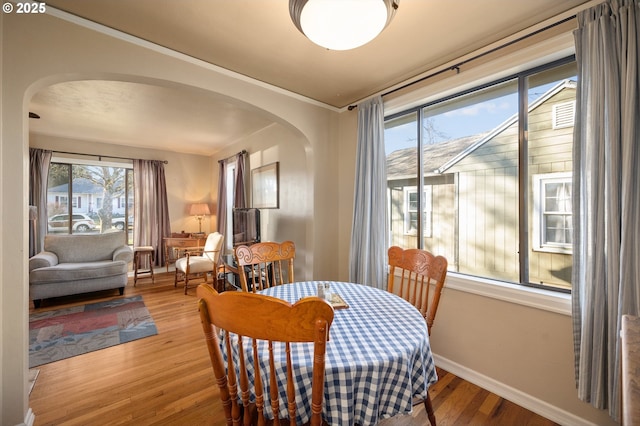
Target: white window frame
[
  {"x": 427, "y": 204},
  {"x": 539, "y": 243}
]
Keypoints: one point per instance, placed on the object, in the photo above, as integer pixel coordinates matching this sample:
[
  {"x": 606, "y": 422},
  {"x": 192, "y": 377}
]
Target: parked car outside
[
  {"x": 118, "y": 223},
  {"x": 80, "y": 223}
]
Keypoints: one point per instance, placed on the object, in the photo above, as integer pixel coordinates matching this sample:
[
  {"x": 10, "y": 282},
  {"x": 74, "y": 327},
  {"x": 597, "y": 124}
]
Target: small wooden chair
[
  {"x": 265, "y": 264},
  {"x": 264, "y": 318},
  {"x": 418, "y": 270}
]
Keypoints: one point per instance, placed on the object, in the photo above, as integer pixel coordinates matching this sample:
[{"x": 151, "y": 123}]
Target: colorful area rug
[{"x": 64, "y": 333}]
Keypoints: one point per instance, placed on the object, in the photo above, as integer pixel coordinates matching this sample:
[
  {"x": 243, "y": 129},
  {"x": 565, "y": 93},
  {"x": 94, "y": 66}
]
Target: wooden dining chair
[
  {"x": 412, "y": 274},
  {"x": 262, "y": 318},
  {"x": 265, "y": 264}
]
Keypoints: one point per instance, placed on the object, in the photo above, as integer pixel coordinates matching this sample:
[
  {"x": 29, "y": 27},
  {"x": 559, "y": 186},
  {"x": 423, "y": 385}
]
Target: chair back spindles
[
  {"x": 412, "y": 273},
  {"x": 252, "y": 324},
  {"x": 265, "y": 264}
]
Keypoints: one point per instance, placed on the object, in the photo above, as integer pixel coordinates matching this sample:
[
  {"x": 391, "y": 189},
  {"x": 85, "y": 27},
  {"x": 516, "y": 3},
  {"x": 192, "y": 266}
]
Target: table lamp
[{"x": 199, "y": 210}]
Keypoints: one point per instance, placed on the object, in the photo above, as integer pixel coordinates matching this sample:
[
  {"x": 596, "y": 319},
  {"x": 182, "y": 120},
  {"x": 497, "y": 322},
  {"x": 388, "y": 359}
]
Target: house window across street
[
  {"x": 553, "y": 228},
  {"x": 411, "y": 207}
]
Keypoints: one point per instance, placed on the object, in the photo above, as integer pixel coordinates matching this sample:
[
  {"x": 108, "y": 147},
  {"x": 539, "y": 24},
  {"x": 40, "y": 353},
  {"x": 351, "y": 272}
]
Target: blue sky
[{"x": 466, "y": 121}]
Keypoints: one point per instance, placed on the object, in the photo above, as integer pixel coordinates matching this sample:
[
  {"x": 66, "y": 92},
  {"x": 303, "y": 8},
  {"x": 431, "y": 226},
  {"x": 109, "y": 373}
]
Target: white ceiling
[{"x": 256, "y": 38}]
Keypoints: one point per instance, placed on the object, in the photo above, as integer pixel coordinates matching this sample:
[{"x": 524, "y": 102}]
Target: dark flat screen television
[{"x": 246, "y": 226}]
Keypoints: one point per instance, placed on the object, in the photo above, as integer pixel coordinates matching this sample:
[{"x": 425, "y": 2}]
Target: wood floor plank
[{"x": 167, "y": 379}]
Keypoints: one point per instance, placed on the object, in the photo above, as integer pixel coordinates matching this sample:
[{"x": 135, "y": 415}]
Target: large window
[
  {"x": 490, "y": 170},
  {"x": 90, "y": 197}
]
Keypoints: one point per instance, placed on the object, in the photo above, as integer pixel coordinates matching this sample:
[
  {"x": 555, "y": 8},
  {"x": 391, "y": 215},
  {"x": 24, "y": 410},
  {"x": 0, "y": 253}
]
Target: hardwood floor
[{"x": 167, "y": 379}]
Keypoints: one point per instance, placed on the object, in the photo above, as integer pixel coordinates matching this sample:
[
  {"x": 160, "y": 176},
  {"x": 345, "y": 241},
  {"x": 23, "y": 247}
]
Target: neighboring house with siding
[
  {"x": 465, "y": 179},
  {"x": 86, "y": 198}
]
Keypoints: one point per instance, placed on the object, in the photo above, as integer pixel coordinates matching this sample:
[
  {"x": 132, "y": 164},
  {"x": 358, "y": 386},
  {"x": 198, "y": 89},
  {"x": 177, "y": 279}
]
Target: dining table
[{"x": 378, "y": 357}]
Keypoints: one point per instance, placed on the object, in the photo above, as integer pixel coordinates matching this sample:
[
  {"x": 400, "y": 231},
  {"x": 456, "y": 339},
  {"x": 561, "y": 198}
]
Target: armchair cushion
[
  {"x": 65, "y": 272},
  {"x": 86, "y": 248},
  {"x": 197, "y": 264}
]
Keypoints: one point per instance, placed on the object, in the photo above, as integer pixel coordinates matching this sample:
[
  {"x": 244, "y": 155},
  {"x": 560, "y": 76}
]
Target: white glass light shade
[{"x": 341, "y": 24}]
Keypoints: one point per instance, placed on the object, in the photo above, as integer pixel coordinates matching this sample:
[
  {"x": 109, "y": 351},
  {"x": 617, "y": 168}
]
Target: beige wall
[
  {"x": 72, "y": 52},
  {"x": 523, "y": 353},
  {"x": 293, "y": 220},
  {"x": 518, "y": 350}
]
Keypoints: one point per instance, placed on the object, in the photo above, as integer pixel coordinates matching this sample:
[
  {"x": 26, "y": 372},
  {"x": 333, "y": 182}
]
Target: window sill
[
  {"x": 551, "y": 249},
  {"x": 547, "y": 300}
]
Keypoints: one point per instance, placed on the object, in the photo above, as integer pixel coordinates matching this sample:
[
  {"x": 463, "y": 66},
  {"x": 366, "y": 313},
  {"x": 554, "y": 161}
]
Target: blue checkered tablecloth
[{"x": 378, "y": 356}]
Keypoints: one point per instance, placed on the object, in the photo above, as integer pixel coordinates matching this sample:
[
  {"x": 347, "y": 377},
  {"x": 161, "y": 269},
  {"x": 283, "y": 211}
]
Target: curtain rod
[
  {"x": 244, "y": 151},
  {"x": 100, "y": 157},
  {"x": 457, "y": 66}
]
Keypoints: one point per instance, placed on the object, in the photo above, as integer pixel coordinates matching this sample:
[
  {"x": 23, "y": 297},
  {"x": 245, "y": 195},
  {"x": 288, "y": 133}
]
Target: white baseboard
[
  {"x": 29, "y": 418},
  {"x": 516, "y": 396}
]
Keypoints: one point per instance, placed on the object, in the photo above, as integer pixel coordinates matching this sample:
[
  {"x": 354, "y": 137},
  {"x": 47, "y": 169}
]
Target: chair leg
[
  {"x": 151, "y": 264},
  {"x": 175, "y": 279},
  {"x": 186, "y": 283},
  {"x": 136, "y": 260},
  {"x": 429, "y": 407}
]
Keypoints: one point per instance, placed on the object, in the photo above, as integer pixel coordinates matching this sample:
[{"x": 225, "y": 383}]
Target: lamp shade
[
  {"x": 199, "y": 209},
  {"x": 341, "y": 24}
]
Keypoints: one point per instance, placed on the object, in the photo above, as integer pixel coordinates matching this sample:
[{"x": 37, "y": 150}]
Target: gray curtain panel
[
  {"x": 239, "y": 198},
  {"x": 606, "y": 271},
  {"x": 151, "y": 216},
  {"x": 368, "y": 254},
  {"x": 39, "y": 161}
]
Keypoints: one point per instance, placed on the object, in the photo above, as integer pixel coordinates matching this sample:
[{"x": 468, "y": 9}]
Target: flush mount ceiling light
[{"x": 342, "y": 24}]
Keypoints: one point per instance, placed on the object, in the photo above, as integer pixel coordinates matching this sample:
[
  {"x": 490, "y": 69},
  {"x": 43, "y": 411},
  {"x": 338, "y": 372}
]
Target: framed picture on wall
[{"x": 264, "y": 186}]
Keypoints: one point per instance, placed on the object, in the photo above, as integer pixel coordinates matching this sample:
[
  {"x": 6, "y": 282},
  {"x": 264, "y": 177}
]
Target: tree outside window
[{"x": 98, "y": 195}]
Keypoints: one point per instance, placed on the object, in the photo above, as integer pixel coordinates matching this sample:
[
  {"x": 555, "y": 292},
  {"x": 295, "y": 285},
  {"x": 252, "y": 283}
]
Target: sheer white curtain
[
  {"x": 239, "y": 199},
  {"x": 368, "y": 255},
  {"x": 151, "y": 218},
  {"x": 606, "y": 270},
  {"x": 221, "y": 213}
]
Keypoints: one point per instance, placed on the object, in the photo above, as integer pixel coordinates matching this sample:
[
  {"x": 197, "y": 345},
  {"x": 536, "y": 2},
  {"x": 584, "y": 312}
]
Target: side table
[{"x": 138, "y": 253}]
